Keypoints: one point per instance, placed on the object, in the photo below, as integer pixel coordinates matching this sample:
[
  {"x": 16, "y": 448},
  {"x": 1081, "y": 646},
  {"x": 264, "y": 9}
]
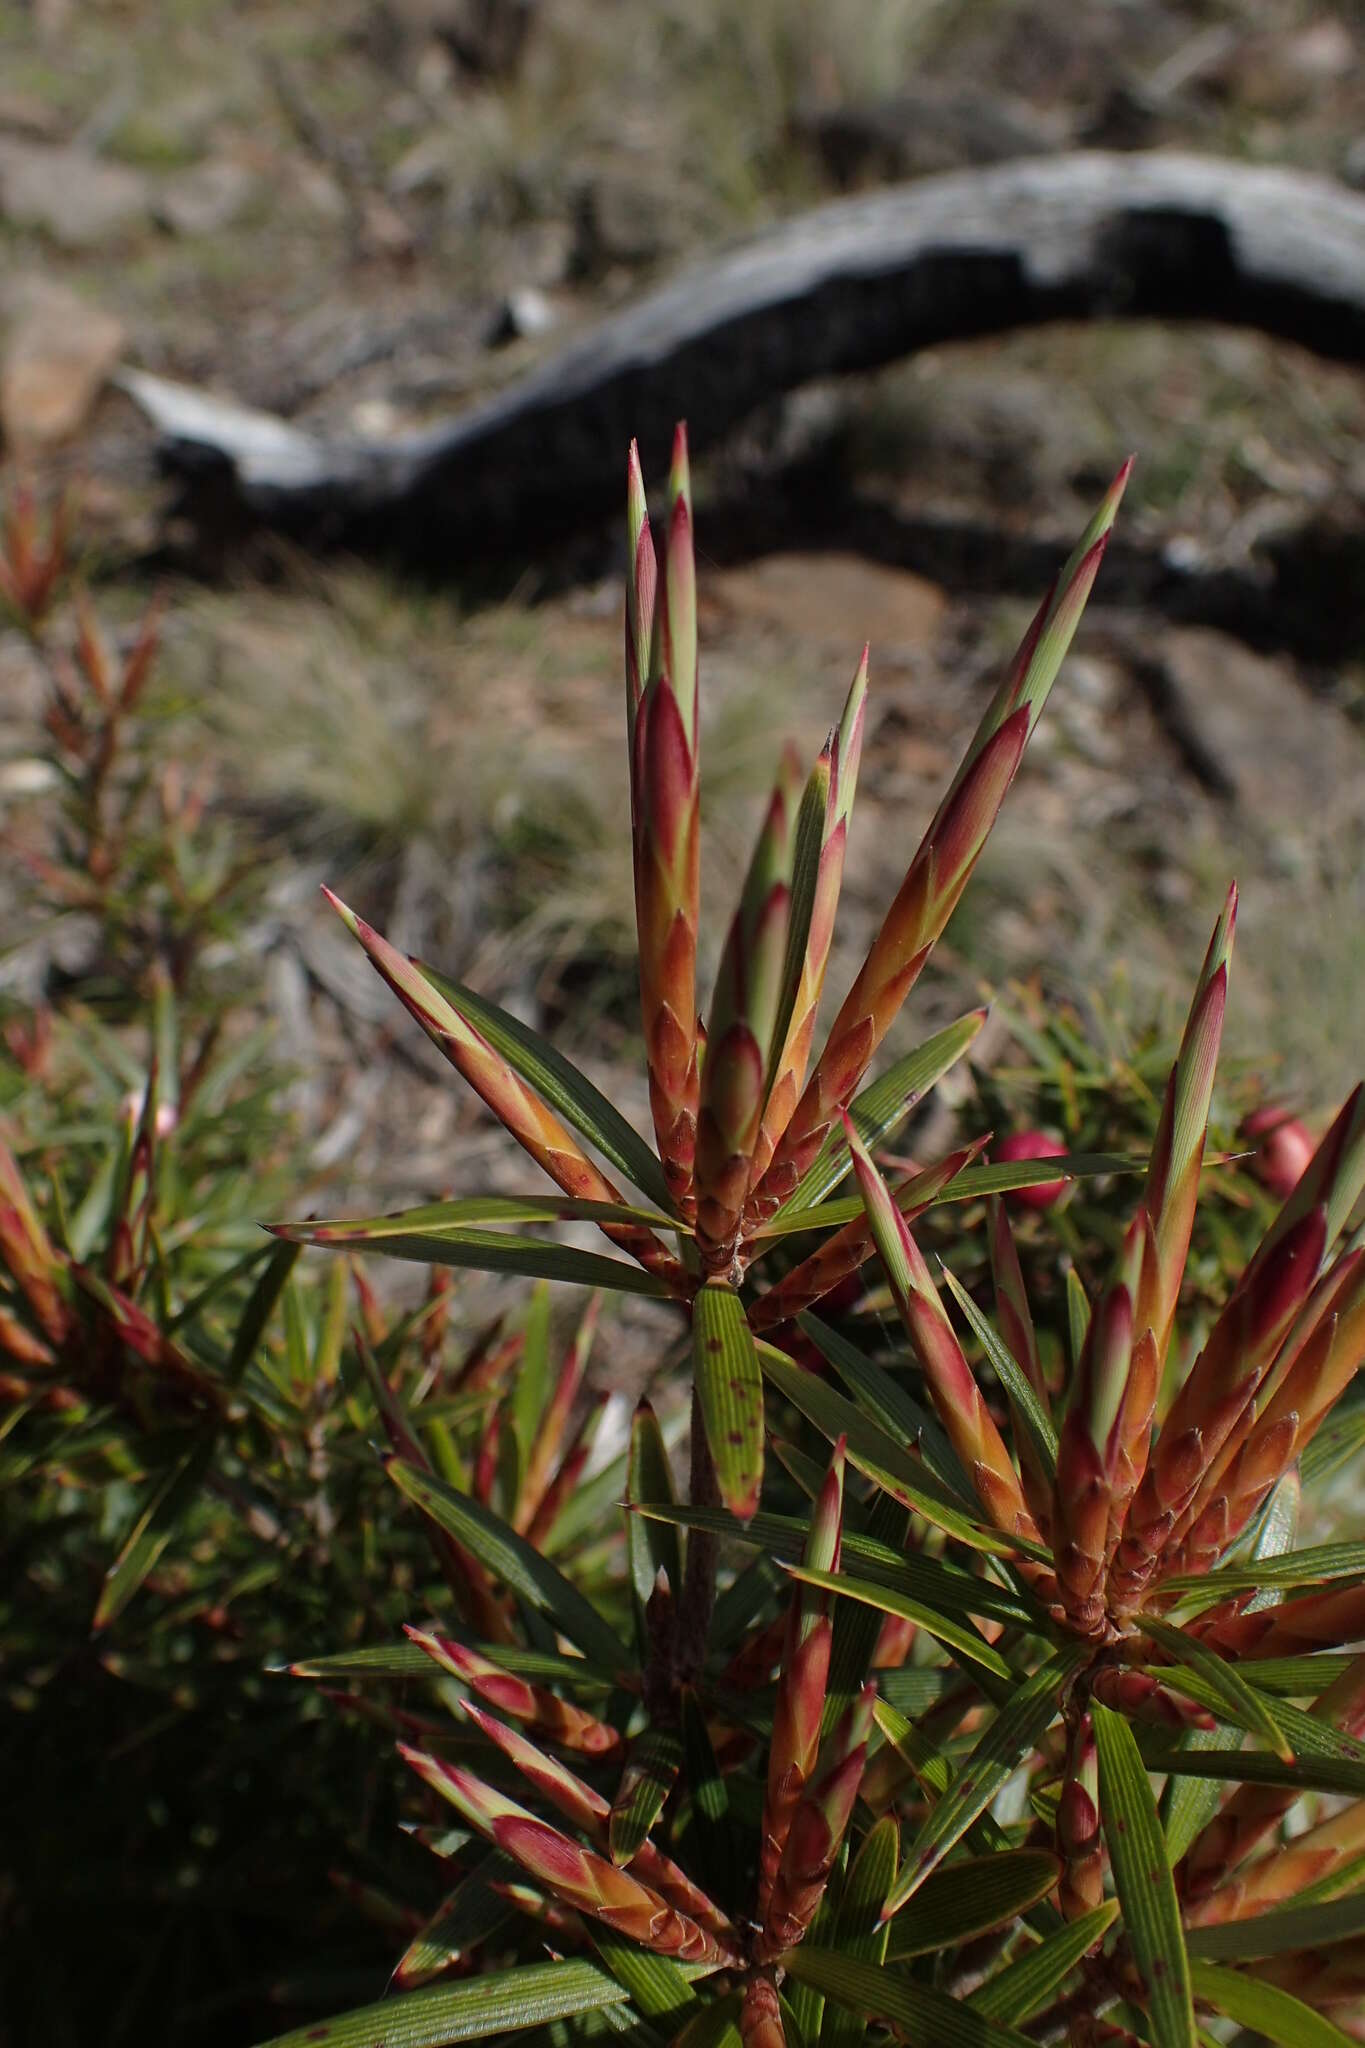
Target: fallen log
[{"x": 844, "y": 288}]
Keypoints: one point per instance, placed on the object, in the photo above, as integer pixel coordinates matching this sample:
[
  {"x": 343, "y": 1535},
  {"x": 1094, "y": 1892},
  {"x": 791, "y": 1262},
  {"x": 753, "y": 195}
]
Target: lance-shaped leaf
[
  {"x": 742, "y": 1023},
  {"x": 801, "y": 1685},
  {"x": 465, "y": 1918},
  {"x": 508, "y": 2001},
  {"x": 1022, "y": 1989},
  {"x": 1274, "y": 2014},
  {"x": 859, "y": 1930},
  {"x": 491, "y": 1251},
  {"x": 558, "y": 1082},
  {"x": 535, "y": 1127},
  {"x": 1015, "y": 1318},
  {"x": 917, "y": 2012},
  {"x": 946, "y": 856},
  {"x": 657, "y": 1987},
  {"x": 1008, "y": 1741},
  {"x": 1172, "y": 1188},
  {"x": 575, "y": 1876},
  {"x": 874, "y": 1451},
  {"x": 817, "y": 1830},
  {"x": 29, "y": 1254},
  {"x": 967, "y": 1899},
  {"x": 651, "y": 1546},
  {"x": 170, "y": 1501},
  {"x": 1230, "y": 1836},
  {"x": 539, "y": 1710},
  {"x": 818, "y": 868},
  {"x": 961, "y": 1410},
  {"x": 1143, "y": 1880},
  {"x": 730, "y": 1390},
  {"x": 664, "y": 740},
  {"x": 548, "y": 1422},
  {"x": 510, "y": 1558},
  {"x": 877, "y": 1112},
  {"x": 651, "y": 1771},
  {"x": 642, "y": 582},
  {"x": 849, "y": 1249},
  {"x": 1238, "y": 1701},
  {"x": 1332, "y": 1180}
]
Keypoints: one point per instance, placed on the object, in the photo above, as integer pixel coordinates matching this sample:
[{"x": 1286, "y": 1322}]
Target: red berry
[
  {"x": 1284, "y": 1147},
  {"x": 1032, "y": 1145}
]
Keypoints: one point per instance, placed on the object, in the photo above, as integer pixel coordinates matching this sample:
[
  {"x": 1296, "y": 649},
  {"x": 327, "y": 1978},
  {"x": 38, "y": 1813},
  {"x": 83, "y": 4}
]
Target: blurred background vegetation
[{"x": 361, "y": 218}]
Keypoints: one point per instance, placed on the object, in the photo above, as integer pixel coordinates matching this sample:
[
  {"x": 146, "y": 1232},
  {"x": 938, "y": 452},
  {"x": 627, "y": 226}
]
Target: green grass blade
[
  {"x": 510, "y": 1558},
  {"x": 1077, "y": 1316},
  {"x": 970, "y": 1898},
  {"x": 1189, "y": 1804},
  {"x": 730, "y": 1391},
  {"x": 1021, "y": 1990},
  {"x": 1143, "y": 1881},
  {"x": 968, "y": 1186},
  {"x": 559, "y": 1083},
  {"x": 656, "y": 1986},
  {"x": 1258, "y": 1767},
  {"x": 506, "y": 2002},
  {"x": 436, "y": 1219},
  {"x": 1276, "y": 2015},
  {"x": 260, "y": 1306},
  {"x": 1011, "y": 1737},
  {"x": 467, "y": 1916}
]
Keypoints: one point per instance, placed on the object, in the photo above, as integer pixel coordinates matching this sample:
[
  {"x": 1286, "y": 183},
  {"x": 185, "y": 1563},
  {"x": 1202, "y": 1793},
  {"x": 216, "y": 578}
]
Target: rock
[
  {"x": 69, "y": 194},
  {"x": 58, "y": 349},
  {"x": 838, "y": 600},
  {"x": 523, "y": 316},
  {"x": 204, "y": 198}
]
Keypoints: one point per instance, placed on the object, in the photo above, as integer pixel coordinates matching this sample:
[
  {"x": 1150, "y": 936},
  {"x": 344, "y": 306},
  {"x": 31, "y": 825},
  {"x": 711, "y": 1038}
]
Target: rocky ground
[{"x": 360, "y": 217}]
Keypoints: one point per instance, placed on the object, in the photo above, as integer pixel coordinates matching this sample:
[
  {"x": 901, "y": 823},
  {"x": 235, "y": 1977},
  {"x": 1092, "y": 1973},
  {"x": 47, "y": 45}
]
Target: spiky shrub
[
  {"x": 918, "y": 1787},
  {"x": 749, "y": 1143},
  {"x": 941, "y": 1817}
]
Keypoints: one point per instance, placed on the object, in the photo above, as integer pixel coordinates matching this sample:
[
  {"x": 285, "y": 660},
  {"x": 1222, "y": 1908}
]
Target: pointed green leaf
[
  {"x": 881, "y": 1458},
  {"x": 927, "y": 1579},
  {"x": 656, "y": 1986},
  {"x": 1281, "y": 1933},
  {"x": 1016, "y": 1994},
  {"x": 1258, "y": 1767},
  {"x": 859, "y": 1931},
  {"x": 1189, "y": 1804},
  {"x": 465, "y": 1918},
  {"x": 1077, "y": 1316},
  {"x": 1009, "y": 1740},
  {"x": 884, "y": 1399},
  {"x": 170, "y": 1501},
  {"x": 1265, "y": 2009},
  {"x": 259, "y": 1308},
  {"x": 510, "y": 1558},
  {"x": 961, "y": 1637},
  {"x": 1312, "y": 1566},
  {"x": 882, "y": 1106},
  {"x": 649, "y": 1776},
  {"x": 651, "y": 1546},
  {"x": 875, "y": 1992},
  {"x": 500, "y": 1251},
  {"x": 558, "y": 1082},
  {"x": 1023, "y": 1397},
  {"x": 456, "y": 1218},
  {"x": 969, "y": 1898},
  {"x": 1143, "y": 1881},
  {"x": 1238, "y": 1701},
  {"x": 506, "y": 2002},
  {"x": 730, "y": 1390},
  {"x": 969, "y": 1185}
]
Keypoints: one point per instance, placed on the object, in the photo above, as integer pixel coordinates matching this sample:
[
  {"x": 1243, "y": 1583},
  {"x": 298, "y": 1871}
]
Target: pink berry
[{"x": 1031, "y": 1145}]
